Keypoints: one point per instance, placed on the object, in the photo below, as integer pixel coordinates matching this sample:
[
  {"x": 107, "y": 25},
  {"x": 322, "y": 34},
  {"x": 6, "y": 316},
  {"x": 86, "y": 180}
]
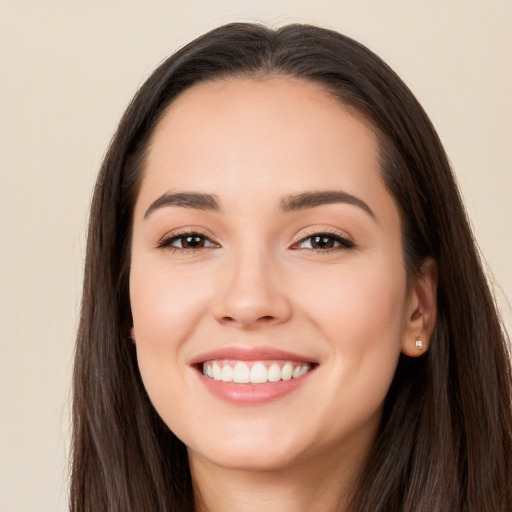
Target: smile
[
  {"x": 245, "y": 376},
  {"x": 254, "y": 372}
]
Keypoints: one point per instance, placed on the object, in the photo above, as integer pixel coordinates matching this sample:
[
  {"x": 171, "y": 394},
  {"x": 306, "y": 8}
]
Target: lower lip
[{"x": 251, "y": 394}]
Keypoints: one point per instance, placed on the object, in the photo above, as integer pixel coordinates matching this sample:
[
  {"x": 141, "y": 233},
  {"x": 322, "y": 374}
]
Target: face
[{"x": 267, "y": 254}]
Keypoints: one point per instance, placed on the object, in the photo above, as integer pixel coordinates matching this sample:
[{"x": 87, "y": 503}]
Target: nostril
[
  {"x": 247, "y": 322},
  {"x": 264, "y": 319}
]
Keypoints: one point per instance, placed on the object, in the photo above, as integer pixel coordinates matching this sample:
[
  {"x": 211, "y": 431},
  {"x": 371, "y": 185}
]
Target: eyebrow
[
  {"x": 194, "y": 200},
  {"x": 303, "y": 201},
  {"x": 313, "y": 199}
]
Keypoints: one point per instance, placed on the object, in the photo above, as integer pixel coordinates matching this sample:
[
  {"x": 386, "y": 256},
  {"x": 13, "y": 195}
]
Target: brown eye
[
  {"x": 192, "y": 242},
  {"x": 186, "y": 242},
  {"x": 324, "y": 242}
]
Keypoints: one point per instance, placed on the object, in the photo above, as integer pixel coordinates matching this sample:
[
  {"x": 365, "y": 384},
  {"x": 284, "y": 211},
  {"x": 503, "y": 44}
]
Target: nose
[{"x": 252, "y": 294}]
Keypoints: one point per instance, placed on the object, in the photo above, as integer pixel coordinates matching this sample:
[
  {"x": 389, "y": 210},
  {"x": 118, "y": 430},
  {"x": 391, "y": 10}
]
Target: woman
[{"x": 283, "y": 304}]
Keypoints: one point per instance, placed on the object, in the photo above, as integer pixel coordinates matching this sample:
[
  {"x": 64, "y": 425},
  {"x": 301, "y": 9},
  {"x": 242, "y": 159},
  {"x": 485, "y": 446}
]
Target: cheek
[
  {"x": 361, "y": 314},
  {"x": 166, "y": 309},
  {"x": 361, "y": 317},
  {"x": 360, "y": 299},
  {"x": 165, "y": 305}
]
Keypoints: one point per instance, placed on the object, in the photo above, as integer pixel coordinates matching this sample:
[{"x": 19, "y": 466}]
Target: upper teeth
[{"x": 255, "y": 373}]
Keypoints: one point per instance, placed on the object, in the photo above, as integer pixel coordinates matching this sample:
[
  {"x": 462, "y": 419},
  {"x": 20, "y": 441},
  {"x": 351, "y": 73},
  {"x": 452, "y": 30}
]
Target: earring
[{"x": 419, "y": 344}]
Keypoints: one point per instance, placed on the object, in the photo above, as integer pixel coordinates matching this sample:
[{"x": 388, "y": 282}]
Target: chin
[
  {"x": 250, "y": 460},
  {"x": 249, "y": 453}
]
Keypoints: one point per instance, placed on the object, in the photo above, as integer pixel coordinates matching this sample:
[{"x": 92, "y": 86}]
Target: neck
[{"x": 302, "y": 486}]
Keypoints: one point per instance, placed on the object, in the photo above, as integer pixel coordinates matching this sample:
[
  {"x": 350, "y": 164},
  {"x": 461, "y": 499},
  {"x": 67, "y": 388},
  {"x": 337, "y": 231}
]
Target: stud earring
[{"x": 419, "y": 344}]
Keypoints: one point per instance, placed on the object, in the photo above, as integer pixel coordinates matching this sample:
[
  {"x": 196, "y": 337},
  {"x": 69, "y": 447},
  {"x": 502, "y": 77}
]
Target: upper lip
[{"x": 250, "y": 354}]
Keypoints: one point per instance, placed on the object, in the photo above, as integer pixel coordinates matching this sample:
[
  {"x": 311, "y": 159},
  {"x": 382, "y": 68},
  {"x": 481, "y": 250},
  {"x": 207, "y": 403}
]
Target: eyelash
[
  {"x": 343, "y": 243},
  {"x": 166, "y": 242}
]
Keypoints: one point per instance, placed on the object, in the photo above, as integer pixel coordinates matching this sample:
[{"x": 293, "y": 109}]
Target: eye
[
  {"x": 186, "y": 242},
  {"x": 324, "y": 242}
]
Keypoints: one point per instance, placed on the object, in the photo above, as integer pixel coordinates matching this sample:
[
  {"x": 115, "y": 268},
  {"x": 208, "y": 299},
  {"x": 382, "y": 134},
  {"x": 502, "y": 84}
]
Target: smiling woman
[
  {"x": 283, "y": 305},
  {"x": 270, "y": 267}
]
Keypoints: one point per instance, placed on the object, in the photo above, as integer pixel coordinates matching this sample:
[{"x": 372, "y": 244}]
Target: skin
[{"x": 259, "y": 281}]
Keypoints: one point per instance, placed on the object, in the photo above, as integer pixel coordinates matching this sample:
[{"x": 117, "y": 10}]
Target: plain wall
[{"x": 67, "y": 72}]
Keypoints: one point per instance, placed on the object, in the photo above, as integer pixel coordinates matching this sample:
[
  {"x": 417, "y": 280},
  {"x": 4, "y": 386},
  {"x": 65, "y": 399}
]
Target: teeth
[
  {"x": 274, "y": 373},
  {"x": 217, "y": 372},
  {"x": 241, "y": 373},
  {"x": 287, "y": 371},
  {"x": 226, "y": 374},
  {"x": 259, "y": 373},
  {"x": 254, "y": 373}
]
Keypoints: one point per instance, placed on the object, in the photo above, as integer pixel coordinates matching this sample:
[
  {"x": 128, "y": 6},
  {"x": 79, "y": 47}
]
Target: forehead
[
  {"x": 274, "y": 103},
  {"x": 271, "y": 136}
]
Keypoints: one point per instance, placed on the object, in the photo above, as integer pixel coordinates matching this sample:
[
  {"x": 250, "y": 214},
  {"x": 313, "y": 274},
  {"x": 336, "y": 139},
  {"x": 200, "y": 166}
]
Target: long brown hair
[{"x": 445, "y": 441}]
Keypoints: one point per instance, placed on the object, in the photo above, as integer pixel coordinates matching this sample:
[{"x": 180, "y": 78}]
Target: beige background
[{"x": 68, "y": 70}]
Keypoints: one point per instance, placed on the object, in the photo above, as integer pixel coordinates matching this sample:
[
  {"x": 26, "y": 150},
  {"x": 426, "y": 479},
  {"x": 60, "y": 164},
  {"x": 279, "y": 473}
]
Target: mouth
[
  {"x": 255, "y": 375},
  {"x": 253, "y": 372}
]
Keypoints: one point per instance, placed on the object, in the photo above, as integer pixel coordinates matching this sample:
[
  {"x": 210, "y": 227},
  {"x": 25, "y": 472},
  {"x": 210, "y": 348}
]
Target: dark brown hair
[{"x": 445, "y": 441}]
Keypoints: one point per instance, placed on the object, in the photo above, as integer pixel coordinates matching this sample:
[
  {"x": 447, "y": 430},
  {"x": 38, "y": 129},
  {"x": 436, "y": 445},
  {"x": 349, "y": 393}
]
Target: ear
[{"x": 421, "y": 310}]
